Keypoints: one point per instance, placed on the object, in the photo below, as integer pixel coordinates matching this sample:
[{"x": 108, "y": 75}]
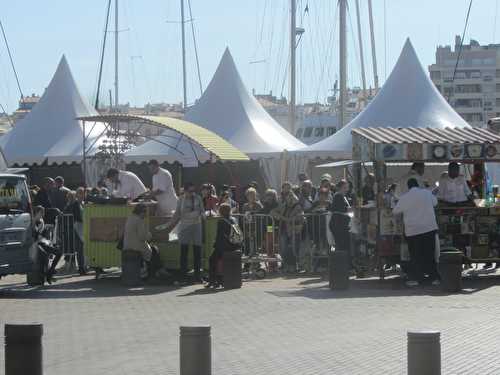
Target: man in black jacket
[{"x": 43, "y": 196}]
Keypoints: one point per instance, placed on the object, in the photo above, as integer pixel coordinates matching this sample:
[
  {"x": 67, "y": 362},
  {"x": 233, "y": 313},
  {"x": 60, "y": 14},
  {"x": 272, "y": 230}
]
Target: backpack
[{"x": 236, "y": 235}]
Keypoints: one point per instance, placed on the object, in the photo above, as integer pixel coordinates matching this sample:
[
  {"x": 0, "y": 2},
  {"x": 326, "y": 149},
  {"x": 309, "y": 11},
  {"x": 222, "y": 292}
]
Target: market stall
[
  {"x": 473, "y": 228},
  {"x": 103, "y": 222}
]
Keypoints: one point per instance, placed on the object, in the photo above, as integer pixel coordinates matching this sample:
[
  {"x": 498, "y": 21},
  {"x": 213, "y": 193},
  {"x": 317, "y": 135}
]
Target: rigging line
[
  {"x": 101, "y": 63},
  {"x": 280, "y": 48},
  {"x": 495, "y": 22},
  {"x": 11, "y": 60},
  {"x": 195, "y": 44},
  {"x": 261, "y": 34},
  {"x": 268, "y": 64},
  {"x": 385, "y": 40},
  {"x": 327, "y": 57},
  {"x": 353, "y": 39},
  {"x": 461, "y": 42}
]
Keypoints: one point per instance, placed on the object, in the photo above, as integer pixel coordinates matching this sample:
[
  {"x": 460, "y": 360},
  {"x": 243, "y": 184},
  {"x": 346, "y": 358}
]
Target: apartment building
[{"x": 474, "y": 91}]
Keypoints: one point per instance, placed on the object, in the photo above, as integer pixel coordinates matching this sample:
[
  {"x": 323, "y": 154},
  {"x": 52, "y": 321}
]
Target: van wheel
[{"x": 34, "y": 278}]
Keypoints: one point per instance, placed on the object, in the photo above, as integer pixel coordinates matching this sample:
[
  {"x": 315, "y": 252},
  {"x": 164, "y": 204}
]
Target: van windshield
[{"x": 13, "y": 195}]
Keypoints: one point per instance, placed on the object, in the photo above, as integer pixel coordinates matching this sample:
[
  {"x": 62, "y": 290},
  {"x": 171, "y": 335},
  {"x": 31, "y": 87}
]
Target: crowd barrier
[{"x": 265, "y": 236}]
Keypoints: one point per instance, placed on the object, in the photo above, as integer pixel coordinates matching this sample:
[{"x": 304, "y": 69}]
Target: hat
[{"x": 326, "y": 177}]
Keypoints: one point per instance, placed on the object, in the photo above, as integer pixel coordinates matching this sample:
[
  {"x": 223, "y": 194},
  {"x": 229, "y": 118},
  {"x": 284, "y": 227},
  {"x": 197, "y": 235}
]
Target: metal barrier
[
  {"x": 65, "y": 233},
  {"x": 305, "y": 241}
]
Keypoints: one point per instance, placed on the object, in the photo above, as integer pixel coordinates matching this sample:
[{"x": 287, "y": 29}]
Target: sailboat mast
[
  {"x": 183, "y": 33},
  {"x": 361, "y": 54},
  {"x": 293, "y": 50},
  {"x": 343, "y": 61},
  {"x": 116, "y": 55},
  {"x": 374, "y": 53}
]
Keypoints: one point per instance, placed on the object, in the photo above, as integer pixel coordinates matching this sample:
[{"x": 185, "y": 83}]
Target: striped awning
[{"x": 204, "y": 138}]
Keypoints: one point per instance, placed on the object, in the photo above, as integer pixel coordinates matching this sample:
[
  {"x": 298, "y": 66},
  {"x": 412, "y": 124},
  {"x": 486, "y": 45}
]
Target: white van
[{"x": 16, "y": 227}]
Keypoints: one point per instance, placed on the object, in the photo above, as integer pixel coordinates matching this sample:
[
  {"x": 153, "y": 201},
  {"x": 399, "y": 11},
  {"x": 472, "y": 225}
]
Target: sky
[{"x": 256, "y": 31}]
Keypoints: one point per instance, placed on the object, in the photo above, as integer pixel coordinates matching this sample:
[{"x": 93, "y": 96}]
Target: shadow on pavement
[
  {"x": 83, "y": 287},
  {"x": 372, "y": 288}
]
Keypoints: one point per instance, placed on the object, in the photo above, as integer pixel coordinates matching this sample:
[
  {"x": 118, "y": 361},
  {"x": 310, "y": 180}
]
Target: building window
[
  {"x": 497, "y": 102},
  {"x": 299, "y": 132},
  {"x": 319, "y": 132},
  {"x": 468, "y": 89},
  {"x": 435, "y": 75},
  {"x": 308, "y": 132},
  {"x": 331, "y": 130}
]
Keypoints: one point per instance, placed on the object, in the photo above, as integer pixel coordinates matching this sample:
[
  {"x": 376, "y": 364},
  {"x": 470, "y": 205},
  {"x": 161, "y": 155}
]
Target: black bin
[
  {"x": 131, "y": 268},
  {"x": 338, "y": 269},
  {"x": 450, "y": 270},
  {"x": 231, "y": 269}
]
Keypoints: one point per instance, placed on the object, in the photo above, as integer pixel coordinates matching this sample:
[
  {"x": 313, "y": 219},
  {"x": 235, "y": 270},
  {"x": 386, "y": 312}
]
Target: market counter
[{"x": 103, "y": 225}]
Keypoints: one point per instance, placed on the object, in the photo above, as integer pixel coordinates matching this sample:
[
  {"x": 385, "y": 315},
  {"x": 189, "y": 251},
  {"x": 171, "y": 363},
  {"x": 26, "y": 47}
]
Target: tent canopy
[
  {"x": 181, "y": 141},
  {"x": 229, "y": 110},
  {"x": 50, "y": 132},
  {"x": 408, "y": 99}
]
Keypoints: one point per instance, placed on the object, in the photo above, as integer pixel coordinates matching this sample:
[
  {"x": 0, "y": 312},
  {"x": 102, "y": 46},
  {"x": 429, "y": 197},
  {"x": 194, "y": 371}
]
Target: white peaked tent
[
  {"x": 51, "y": 132},
  {"x": 229, "y": 110},
  {"x": 407, "y": 99}
]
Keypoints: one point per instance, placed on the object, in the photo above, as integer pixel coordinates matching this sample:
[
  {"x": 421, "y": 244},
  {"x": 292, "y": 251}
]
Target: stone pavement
[{"x": 274, "y": 326}]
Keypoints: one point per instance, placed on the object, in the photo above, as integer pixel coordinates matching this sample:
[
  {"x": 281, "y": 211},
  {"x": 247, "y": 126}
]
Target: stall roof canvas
[
  {"x": 50, "y": 131},
  {"x": 408, "y": 99},
  {"x": 229, "y": 110}
]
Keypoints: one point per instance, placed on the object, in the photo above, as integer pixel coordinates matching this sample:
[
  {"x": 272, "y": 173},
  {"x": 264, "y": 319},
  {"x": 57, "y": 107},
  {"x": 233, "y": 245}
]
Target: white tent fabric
[
  {"x": 50, "y": 131},
  {"x": 169, "y": 147},
  {"x": 229, "y": 110},
  {"x": 407, "y": 99}
]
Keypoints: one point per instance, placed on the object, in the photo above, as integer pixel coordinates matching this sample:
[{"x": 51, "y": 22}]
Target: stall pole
[
  {"x": 84, "y": 153},
  {"x": 424, "y": 353},
  {"x": 195, "y": 346},
  {"x": 23, "y": 349}
]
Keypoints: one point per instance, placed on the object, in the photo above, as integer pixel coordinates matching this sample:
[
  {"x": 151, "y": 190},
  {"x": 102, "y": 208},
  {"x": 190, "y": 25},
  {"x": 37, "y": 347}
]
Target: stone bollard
[
  {"x": 338, "y": 269},
  {"x": 23, "y": 349},
  {"x": 195, "y": 350},
  {"x": 424, "y": 353}
]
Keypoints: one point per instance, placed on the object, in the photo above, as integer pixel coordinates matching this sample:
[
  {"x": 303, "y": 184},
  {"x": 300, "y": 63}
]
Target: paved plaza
[{"x": 274, "y": 326}]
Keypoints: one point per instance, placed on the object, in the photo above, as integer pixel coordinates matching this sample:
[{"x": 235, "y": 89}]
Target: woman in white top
[
  {"x": 189, "y": 215},
  {"x": 163, "y": 190}
]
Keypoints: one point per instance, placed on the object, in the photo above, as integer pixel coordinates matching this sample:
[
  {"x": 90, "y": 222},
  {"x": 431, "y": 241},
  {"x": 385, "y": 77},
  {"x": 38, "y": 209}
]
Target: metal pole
[
  {"x": 343, "y": 60},
  {"x": 84, "y": 153},
  {"x": 374, "y": 53},
  {"x": 293, "y": 50},
  {"x": 183, "y": 33},
  {"x": 424, "y": 353},
  {"x": 116, "y": 55},
  {"x": 23, "y": 349},
  {"x": 361, "y": 54},
  {"x": 195, "y": 344}
]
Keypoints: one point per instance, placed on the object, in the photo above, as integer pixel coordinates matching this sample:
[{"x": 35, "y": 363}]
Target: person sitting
[
  {"x": 453, "y": 188},
  {"x": 136, "y": 236},
  {"x": 221, "y": 245},
  {"x": 45, "y": 247}
]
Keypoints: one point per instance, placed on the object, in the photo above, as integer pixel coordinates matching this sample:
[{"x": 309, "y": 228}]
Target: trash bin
[
  {"x": 131, "y": 268},
  {"x": 338, "y": 268},
  {"x": 450, "y": 269},
  {"x": 231, "y": 269}
]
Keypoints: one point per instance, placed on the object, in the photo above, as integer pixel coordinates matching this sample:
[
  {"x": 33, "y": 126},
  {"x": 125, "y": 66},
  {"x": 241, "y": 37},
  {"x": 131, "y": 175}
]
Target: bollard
[
  {"x": 424, "y": 353},
  {"x": 338, "y": 269},
  {"x": 23, "y": 349},
  {"x": 195, "y": 345},
  {"x": 231, "y": 270},
  {"x": 450, "y": 270}
]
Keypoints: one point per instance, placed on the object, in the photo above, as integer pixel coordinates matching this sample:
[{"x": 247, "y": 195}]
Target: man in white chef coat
[
  {"x": 163, "y": 189},
  {"x": 124, "y": 184},
  {"x": 416, "y": 172},
  {"x": 453, "y": 188}
]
